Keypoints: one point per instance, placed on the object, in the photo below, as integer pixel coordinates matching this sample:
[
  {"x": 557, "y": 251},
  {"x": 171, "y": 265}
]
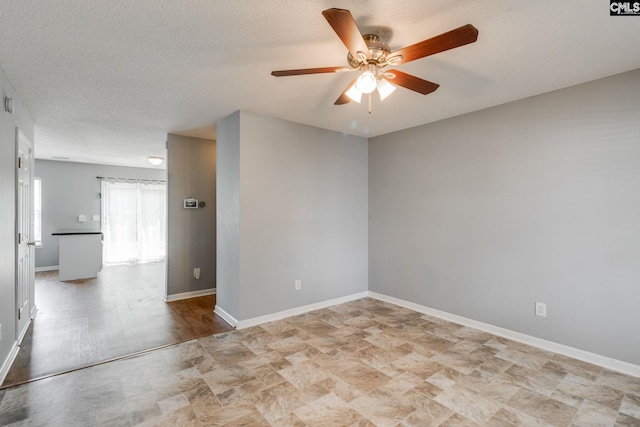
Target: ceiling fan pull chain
[{"x": 369, "y": 103}]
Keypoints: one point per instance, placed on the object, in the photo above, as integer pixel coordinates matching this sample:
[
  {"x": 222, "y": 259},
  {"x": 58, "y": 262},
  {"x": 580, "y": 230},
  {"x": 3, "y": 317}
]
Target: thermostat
[{"x": 191, "y": 203}]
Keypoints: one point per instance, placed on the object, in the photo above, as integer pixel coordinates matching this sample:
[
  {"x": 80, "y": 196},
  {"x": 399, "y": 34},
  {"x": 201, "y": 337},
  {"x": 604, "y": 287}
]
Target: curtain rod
[{"x": 112, "y": 178}]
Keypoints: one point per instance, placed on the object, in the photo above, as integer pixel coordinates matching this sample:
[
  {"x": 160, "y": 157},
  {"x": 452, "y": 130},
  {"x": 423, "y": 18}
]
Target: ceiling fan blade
[
  {"x": 413, "y": 83},
  {"x": 343, "y": 98},
  {"x": 303, "y": 71},
  {"x": 445, "y": 41},
  {"x": 345, "y": 27}
]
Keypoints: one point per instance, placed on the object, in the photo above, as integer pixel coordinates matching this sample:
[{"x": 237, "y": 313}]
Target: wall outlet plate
[
  {"x": 298, "y": 285},
  {"x": 196, "y": 273}
]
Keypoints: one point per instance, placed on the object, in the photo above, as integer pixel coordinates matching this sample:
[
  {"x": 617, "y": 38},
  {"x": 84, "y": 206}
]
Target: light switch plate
[
  {"x": 82, "y": 218},
  {"x": 96, "y": 217},
  {"x": 541, "y": 309}
]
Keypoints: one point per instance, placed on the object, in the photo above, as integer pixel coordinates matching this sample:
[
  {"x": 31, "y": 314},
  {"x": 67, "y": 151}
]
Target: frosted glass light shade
[
  {"x": 385, "y": 88},
  {"x": 366, "y": 83},
  {"x": 155, "y": 161},
  {"x": 354, "y": 94}
]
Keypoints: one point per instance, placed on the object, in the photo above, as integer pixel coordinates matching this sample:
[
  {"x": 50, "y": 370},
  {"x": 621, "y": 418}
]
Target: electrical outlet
[
  {"x": 298, "y": 284},
  {"x": 541, "y": 309},
  {"x": 82, "y": 218},
  {"x": 196, "y": 273}
]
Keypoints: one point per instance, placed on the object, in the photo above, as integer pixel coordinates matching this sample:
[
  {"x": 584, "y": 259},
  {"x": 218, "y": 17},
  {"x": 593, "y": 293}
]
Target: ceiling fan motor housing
[{"x": 378, "y": 51}]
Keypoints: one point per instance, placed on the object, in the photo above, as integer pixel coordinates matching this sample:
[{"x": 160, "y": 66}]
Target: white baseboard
[
  {"x": 8, "y": 362},
  {"x": 48, "y": 268},
  {"x": 298, "y": 310},
  {"x": 596, "y": 359},
  {"x": 187, "y": 295},
  {"x": 24, "y": 332},
  {"x": 225, "y": 316}
]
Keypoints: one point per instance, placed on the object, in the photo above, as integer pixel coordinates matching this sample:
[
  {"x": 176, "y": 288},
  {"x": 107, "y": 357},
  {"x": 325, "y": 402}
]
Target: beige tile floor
[{"x": 362, "y": 363}]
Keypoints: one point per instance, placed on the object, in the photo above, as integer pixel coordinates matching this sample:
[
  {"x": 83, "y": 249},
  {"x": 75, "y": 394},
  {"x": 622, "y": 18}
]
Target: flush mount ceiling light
[
  {"x": 155, "y": 160},
  {"x": 370, "y": 56}
]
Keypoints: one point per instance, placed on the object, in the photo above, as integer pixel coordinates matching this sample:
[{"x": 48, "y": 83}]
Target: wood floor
[{"x": 121, "y": 312}]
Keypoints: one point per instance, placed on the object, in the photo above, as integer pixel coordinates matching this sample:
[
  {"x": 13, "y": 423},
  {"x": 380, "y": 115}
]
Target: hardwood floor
[{"x": 121, "y": 312}]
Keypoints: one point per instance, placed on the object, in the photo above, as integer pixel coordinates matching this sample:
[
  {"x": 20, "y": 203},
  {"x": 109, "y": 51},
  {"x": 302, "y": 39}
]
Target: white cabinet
[{"x": 80, "y": 254}]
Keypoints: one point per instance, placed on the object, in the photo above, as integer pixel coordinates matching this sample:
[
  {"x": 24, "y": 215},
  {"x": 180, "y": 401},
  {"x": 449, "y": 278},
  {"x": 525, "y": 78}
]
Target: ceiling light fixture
[
  {"x": 367, "y": 81},
  {"x": 385, "y": 88},
  {"x": 155, "y": 160},
  {"x": 354, "y": 93}
]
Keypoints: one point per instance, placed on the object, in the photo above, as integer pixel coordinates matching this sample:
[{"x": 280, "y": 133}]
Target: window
[
  {"x": 134, "y": 221},
  {"x": 37, "y": 211}
]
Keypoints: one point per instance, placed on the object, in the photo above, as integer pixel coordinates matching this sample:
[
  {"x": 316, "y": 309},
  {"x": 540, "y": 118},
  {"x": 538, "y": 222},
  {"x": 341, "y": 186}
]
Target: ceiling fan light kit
[
  {"x": 353, "y": 93},
  {"x": 370, "y": 56},
  {"x": 385, "y": 88},
  {"x": 367, "y": 81}
]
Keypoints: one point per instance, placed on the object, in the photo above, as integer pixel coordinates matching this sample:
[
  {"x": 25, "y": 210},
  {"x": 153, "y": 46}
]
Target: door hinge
[
  {"x": 19, "y": 313},
  {"x": 19, "y": 238},
  {"x": 20, "y": 162}
]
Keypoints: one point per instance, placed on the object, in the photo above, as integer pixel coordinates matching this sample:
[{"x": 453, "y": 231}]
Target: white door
[{"x": 25, "y": 249}]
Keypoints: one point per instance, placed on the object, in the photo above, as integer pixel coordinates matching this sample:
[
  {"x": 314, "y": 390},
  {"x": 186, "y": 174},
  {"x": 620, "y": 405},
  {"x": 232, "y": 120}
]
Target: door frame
[{"x": 32, "y": 309}]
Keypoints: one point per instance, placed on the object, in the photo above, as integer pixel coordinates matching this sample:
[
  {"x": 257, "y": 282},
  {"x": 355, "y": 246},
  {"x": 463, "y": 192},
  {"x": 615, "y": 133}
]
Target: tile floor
[{"x": 362, "y": 363}]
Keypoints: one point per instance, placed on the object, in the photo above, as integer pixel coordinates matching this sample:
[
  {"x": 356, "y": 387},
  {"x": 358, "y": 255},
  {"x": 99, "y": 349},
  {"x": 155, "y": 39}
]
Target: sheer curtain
[{"x": 134, "y": 221}]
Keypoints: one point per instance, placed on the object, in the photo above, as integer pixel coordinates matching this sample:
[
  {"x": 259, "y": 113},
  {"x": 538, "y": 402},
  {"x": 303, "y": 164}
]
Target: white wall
[
  {"x": 8, "y": 124},
  {"x": 70, "y": 189},
  {"x": 302, "y": 213},
  {"x": 228, "y": 214},
  {"x": 537, "y": 200},
  {"x": 191, "y": 233}
]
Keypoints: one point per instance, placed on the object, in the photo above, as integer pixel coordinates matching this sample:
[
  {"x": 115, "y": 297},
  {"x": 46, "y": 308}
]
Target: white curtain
[{"x": 134, "y": 221}]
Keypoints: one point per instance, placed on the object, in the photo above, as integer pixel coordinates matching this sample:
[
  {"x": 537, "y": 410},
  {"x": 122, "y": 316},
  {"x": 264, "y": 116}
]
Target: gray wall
[
  {"x": 228, "y": 214},
  {"x": 70, "y": 189},
  {"x": 302, "y": 213},
  {"x": 191, "y": 167},
  {"x": 538, "y": 200},
  {"x": 8, "y": 124}
]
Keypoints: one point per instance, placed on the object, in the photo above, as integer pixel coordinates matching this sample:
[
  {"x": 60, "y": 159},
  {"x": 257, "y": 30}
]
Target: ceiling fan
[{"x": 371, "y": 56}]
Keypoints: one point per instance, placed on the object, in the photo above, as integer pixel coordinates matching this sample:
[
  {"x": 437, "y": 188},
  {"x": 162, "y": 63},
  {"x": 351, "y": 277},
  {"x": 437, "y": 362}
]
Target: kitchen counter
[{"x": 80, "y": 254}]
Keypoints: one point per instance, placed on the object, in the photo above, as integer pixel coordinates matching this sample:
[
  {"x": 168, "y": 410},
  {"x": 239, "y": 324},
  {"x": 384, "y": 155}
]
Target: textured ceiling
[{"x": 106, "y": 80}]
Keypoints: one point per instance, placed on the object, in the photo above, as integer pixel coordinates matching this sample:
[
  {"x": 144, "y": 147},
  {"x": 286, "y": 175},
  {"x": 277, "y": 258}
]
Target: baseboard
[
  {"x": 242, "y": 324},
  {"x": 24, "y": 332},
  {"x": 187, "y": 295},
  {"x": 225, "y": 316},
  {"x": 48, "y": 268},
  {"x": 596, "y": 359},
  {"x": 8, "y": 362}
]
